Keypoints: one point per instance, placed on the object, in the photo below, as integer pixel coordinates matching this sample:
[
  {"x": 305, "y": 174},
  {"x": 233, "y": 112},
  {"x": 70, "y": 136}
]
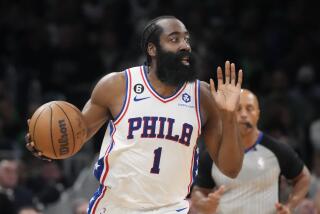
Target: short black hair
[{"x": 151, "y": 33}]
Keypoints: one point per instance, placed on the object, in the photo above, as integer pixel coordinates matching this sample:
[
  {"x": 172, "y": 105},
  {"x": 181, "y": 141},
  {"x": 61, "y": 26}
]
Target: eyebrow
[{"x": 178, "y": 33}]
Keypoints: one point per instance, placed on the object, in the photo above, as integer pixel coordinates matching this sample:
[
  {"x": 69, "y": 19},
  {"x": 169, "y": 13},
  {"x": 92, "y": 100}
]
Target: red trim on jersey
[
  {"x": 191, "y": 168},
  {"x": 106, "y": 156},
  {"x": 164, "y": 100},
  {"x": 98, "y": 200},
  {"x": 127, "y": 101},
  {"x": 197, "y": 105}
]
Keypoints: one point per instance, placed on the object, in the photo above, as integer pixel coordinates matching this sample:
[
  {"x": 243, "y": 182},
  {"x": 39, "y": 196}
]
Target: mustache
[{"x": 182, "y": 53}]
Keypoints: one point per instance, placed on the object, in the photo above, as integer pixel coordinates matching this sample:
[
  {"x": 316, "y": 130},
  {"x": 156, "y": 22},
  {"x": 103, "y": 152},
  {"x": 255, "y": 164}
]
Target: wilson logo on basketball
[{"x": 63, "y": 141}]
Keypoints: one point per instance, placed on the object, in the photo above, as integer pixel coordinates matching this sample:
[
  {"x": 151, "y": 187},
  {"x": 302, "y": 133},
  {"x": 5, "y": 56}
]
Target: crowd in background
[{"x": 58, "y": 49}]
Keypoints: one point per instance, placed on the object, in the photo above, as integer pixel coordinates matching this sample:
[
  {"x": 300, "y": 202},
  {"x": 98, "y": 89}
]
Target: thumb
[
  {"x": 219, "y": 191},
  {"x": 278, "y": 206}
]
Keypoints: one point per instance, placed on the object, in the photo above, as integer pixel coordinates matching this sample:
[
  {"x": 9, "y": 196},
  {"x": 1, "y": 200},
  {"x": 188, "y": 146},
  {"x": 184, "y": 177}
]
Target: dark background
[{"x": 59, "y": 49}]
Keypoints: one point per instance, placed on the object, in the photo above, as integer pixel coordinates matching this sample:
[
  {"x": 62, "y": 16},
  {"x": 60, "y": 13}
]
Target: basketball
[{"x": 57, "y": 129}]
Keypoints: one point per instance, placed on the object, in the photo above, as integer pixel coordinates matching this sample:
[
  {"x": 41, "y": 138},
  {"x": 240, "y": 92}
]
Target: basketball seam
[
  {"x": 34, "y": 128},
  {"x": 54, "y": 151},
  {"x": 74, "y": 142},
  {"x": 68, "y": 104}
]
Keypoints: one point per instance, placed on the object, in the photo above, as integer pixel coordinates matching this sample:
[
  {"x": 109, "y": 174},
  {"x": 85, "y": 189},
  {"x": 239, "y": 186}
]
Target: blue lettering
[
  {"x": 134, "y": 125},
  {"x": 161, "y": 129},
  {"x": 149, "y": 127},
  {"x": 186, "y": 134},
  {"x": 170, "y": 127}
]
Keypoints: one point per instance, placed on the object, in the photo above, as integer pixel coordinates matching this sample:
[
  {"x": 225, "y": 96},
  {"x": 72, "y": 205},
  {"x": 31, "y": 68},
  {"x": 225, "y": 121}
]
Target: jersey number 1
[{"x": 156, "y": 161}]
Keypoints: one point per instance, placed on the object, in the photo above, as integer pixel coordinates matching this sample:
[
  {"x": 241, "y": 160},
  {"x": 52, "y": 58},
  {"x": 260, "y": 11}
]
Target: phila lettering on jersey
[{"x": 148, "y": 151}]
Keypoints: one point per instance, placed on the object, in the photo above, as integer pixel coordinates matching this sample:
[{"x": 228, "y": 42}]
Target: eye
[
  {"x": 173, "y": 39},
  {"x": 187, "y": 39},
  {"x": 249, "y": 108}
]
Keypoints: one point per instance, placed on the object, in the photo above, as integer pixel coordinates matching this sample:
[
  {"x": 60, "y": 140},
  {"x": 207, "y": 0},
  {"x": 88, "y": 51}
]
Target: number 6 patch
[{"x": 138, "y": 88}]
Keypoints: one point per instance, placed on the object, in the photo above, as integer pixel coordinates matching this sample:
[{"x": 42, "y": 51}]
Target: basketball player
[
  {"x": 256, "y": 189},
  {"x": 156, "y": 113}
]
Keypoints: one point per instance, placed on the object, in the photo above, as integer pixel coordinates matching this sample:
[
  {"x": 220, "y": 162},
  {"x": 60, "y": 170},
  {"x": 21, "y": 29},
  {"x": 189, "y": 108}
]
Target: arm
[
  {"x": 105, "y": 101},
  {"x": 299, "y": 191},
  {"x": 293, "y": 169},
  {"x": 300, "y": 188},
  {"x": 220, "y": 130}
]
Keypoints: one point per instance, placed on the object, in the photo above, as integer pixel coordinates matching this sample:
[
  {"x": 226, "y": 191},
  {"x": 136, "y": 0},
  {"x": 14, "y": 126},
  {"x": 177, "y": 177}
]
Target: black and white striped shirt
[{"x": 256, "y": 188}]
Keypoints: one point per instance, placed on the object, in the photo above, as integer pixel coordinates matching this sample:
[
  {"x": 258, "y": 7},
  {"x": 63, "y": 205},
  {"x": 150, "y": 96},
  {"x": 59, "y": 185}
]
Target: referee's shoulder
[{"x": 274, "y": 144}]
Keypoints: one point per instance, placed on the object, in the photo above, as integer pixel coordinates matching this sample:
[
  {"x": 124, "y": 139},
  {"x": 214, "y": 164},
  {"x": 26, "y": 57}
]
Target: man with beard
[
  {"x": 256, "y": 189},
  {"x": 156, "y": 113}
]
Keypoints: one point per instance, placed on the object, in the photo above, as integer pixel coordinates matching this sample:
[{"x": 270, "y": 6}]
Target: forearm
[
  {"x": 94, "y": 119},
  {"x": 300, "y": 189},
  {"x": 231, "y": 151}
]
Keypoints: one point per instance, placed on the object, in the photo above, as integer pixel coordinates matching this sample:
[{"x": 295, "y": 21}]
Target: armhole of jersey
[
  {"x": 126, "y": 100},
  {"x": 197, "y": 105}
]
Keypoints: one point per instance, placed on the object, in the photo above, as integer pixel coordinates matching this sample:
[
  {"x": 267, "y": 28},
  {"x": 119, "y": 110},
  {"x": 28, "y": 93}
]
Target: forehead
[
  {"x": 171, "y": 25},
  {"x": 247, "y": 98}
]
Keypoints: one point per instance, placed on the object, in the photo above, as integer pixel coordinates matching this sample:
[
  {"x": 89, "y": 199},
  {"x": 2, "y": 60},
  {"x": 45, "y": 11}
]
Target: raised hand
[
  {"x": 30, "y": 147},
  {"x": 227, "y": 95}
]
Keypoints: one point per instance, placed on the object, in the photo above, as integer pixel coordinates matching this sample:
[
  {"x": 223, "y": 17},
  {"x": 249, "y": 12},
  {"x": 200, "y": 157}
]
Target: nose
[
  {"x": 185, "y": 45},
  {"x": 243, "y": 113}
]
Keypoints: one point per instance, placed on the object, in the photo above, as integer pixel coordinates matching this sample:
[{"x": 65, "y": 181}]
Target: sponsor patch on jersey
[{"x": 186, "y": 98}]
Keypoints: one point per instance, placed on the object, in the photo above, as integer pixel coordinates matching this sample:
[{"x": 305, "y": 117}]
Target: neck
[
  {"x": 249, "y": 139},
  {"x": 161, "y": 88}
]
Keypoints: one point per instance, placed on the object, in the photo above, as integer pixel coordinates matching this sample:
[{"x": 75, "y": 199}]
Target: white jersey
[{"x": 148, "y": 152}]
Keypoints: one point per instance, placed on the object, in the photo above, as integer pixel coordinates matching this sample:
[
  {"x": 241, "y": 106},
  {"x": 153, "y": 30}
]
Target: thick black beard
[{"x": 171, "y": 70}]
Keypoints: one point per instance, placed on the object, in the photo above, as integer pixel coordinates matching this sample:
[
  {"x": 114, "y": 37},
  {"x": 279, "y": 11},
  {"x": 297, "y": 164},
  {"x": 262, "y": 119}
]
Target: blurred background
[{"x": 59, "y": 49}]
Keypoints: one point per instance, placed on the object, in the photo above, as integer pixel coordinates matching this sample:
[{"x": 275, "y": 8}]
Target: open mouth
[
  {"x": 185, "y": 60},
  {"x": 246, "y": 124}
]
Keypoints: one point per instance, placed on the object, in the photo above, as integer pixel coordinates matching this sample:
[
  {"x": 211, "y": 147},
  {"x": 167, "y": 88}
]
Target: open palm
[{"x": 227, "y": 95}]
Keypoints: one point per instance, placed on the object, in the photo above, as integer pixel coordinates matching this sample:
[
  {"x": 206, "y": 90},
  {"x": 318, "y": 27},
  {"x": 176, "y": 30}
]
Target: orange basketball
[{"x": 57, "y": 129}]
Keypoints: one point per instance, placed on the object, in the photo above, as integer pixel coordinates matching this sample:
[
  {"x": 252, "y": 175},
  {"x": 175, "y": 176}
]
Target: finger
[
  {"x": 233, "y": 74},
  {"x": 30, "y": 146},
  {"x": 220, "y": 191},
  {"x": 42, "y": 157},
  {"x": 213, "y": 197},
  {"x": 27, "y": 138},
  {"x": 212, "y": 87},
  {"x": 217, "y": 194},
  {"x": 227, "y": 72},
  {"x": 28, "y": 122},
  {"x": 240, "y": 77},
  {"x": 219, "y": 77},
  {"x": 279, "y": 206}
]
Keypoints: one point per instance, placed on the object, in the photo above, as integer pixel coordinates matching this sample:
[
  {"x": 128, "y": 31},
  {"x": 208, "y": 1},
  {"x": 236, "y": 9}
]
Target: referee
[{"x": 256, "y": 189}]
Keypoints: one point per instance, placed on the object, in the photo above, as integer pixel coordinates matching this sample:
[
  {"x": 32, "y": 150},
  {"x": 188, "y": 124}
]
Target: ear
[{"x": 152, "y": 49}]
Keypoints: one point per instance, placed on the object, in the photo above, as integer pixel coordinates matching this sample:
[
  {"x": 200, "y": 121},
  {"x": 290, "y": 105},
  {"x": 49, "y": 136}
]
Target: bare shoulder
[
  {"x": 109, "y": 88},
  {"x": 204, "y": 87}
]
